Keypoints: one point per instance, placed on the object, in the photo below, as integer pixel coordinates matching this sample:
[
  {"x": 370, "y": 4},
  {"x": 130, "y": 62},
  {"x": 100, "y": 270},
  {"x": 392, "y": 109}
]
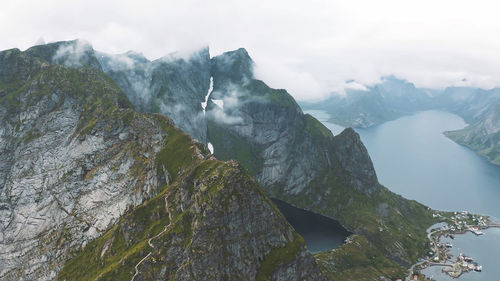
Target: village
[{"x": 440, "y": 254}]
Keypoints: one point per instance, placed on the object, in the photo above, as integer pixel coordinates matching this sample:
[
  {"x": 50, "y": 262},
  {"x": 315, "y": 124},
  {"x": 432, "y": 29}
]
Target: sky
[{"x": 311, "y": 48}]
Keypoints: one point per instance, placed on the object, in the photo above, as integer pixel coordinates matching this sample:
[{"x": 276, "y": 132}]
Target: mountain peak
[
  {"x": 75, "y": 53},
  {"x": 235, "y": 66}
]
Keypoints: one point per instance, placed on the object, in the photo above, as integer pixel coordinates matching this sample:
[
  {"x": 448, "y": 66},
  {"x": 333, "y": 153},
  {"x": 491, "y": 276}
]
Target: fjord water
[
  {"x": 412, "y": 157},
  {"x": 321, "y": 233}
]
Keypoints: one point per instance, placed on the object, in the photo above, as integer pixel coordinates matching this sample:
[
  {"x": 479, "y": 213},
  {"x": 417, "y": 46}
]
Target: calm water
[
  {"x": 484, "y": 249},
  {"x": 412, "y": 157},
  {"x": 321, "y": 233}
]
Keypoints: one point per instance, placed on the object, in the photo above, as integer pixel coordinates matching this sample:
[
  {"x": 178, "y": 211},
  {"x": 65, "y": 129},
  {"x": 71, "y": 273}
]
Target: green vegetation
[
  {"x": 279, "y": 255},
  {"x": 316, "y": 128},
  {"x": 231, "y": 146},
  {"x": 31, "y": 135},
  {"x": 114, "y": 255},
  {"x": 257, "y": 88},
  {"x": 485, "y": 145},
  {"x": 394, "y": 227},
  {"x": 481, "y": 137},
  {"x": 358, "y": 259},
  {"x": 179, "y": 152}
]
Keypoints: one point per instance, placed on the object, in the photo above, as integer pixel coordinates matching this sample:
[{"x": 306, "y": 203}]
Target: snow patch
[
  {"x": 219, "y": 103},
  {"x": 210, "y": 89},
  {"x": 210, "y": 147}
]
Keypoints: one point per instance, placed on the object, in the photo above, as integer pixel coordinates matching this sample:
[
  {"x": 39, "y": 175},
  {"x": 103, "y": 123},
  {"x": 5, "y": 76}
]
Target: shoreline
[{"x": 440, "y": 252}]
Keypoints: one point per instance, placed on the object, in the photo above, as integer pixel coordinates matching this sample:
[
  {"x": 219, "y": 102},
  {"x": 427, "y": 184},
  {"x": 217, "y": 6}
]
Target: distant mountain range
[{"x": 393, "y": 98}]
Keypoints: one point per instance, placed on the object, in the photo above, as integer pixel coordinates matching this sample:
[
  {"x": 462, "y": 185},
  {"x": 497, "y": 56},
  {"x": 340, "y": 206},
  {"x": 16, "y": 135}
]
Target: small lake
[
  {"x": 413, "y": 158},
  {"x": 321, "y": 233}
]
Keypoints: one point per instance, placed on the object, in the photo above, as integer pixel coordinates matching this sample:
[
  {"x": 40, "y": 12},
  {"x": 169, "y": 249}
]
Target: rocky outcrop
[{"x": 355, "y": 161}]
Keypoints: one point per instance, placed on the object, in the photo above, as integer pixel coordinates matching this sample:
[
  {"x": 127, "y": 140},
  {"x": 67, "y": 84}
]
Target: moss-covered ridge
[{"x": 204, "y": 203}]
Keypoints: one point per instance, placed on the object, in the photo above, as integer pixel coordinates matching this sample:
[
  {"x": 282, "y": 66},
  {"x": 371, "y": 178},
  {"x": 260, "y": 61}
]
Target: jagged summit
[{"x": 233, "y": 66}]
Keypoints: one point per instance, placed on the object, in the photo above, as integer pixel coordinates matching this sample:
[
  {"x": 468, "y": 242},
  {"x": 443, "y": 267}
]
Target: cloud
[
  {"x": 310, "y": 48},
  {"x": 230, "y": 113},
  {"x": 71, "y": 54},
  {"x": 221, "y": 117}
]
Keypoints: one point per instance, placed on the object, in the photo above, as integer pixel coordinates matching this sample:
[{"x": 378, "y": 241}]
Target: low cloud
[
  {"x": 230, "y": 113},
  {"x": 71, "y": 54},
  {"x": 310, "y": 48}
]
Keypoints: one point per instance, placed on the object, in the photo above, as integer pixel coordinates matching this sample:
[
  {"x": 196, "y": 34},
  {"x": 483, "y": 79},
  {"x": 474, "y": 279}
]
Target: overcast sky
[{"x": 310, "y": 48}]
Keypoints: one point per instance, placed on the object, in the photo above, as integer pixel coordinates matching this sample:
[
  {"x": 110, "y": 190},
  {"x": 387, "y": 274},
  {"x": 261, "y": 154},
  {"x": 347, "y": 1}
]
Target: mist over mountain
[
  {"x": 390, "y": 99},
  {"x": 394, "y": 98}
]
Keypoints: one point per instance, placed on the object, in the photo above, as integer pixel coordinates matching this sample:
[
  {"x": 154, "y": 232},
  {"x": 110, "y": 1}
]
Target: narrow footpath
[{"x": 151, "y": 239}]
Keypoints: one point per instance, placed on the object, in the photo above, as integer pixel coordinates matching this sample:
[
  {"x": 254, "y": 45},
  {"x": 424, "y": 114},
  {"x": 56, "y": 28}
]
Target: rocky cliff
[{"x": 86, "y": 178}]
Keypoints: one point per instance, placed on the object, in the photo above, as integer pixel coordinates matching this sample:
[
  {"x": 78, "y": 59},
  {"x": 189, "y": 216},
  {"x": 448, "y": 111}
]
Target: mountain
[
  {"x": 93, "y": 190},
  {"x": 208, "y": 210},
  {"x": 482, "y": 136},
  {"x": 301, "y": 162},
  {"x": 472, "y": 104},
  {"x": 295, "y": 158},
  {"x": 388, "y": 100},
  {"x": 479, "y": 108},
  {"x": 171, "y": 86}
]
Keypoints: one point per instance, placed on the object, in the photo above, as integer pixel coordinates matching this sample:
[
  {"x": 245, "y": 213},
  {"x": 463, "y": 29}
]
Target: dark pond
[{"x": 321, "y": 233}]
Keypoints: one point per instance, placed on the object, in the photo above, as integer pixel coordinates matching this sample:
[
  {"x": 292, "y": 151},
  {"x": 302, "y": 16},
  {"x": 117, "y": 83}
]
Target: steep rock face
[
  {"x": 71, "y": 163},
  {"x": 354, "y": 159},
  {"x": 77, "y": 164},
  {"x": 295, "y": 157},
  {"x": 173, "y": 86}
]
